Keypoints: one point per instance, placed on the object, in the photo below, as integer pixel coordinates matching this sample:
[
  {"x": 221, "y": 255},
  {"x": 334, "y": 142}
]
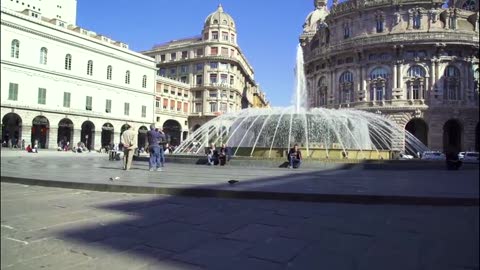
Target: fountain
[{"x": 321, "y": 133}]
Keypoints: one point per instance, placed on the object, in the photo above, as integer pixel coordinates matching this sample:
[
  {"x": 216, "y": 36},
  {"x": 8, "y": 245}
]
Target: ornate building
[
  {"x": 62, "y": 82},
  {"x": 416, "y": 62},
  {"x": 220, "y": 77}
]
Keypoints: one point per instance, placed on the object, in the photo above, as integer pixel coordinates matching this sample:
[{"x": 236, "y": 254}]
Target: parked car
[
  {"x": 433, "y": 155},
  {"x": 405, "y": 156},
  {"x": 470, "y": 157},
  {"x": 461, "y": 155}
]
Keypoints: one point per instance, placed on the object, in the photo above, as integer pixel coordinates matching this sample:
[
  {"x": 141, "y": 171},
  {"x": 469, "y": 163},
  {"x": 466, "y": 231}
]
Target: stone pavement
[
  {"x": 92, "y": 171},
  {"x": 57, "y": 228}
]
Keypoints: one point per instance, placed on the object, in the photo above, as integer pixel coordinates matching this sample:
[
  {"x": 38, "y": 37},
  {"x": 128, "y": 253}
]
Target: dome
[
  {"x": 219, "y": 17},
  {"x": 315, "y": 17}
]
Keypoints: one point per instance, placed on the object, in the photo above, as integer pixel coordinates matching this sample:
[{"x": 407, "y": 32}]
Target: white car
[
  {"x": 433, "y": 155},
  {"x": 405, "y": 156},
  {"x": 470, "y": 157},
  {"x": 461, "y": 155}
]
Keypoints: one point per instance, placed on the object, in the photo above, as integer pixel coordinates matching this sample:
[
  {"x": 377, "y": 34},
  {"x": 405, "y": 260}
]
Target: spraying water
[{"x": 300, "y": 95}]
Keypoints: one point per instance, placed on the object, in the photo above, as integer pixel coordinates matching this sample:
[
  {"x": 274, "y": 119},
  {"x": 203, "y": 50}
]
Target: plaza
[{"x": 57, "y": 215}]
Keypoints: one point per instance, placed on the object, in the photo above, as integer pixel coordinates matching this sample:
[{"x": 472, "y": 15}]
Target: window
[
  {"x": 213, "y": 107},
  {"x": 68, "y": 62},
  {"x": 213, "y": 93},
  {"x": 184, "y": 69},
  {"x": 126, "y": 108},
  {"x": 90, "y": 67},
  {"x": 127, "y": 77},
  {"x": 213, "y": 78},
  {"x": 200, "y": 52},
  {"x": 157, "y": 103},
  {"x": 379, "y": 22},
  {"x": 232, "y": 38},
  {"x": 213, "y": 65},
  {"x": 165, "y": 90},
  {"x": 173, "y": 56},
  {"x": 225, "y": 51},
  {"x": 346, "y": 31},
  {"x": 162, "y": 72},
  {"x": 43, "y": 56},
  {"x": 214, "y": 50},
  {"x": 15, "y": 49},
  {"x": 224, "y": 93},
  {"x": 224, "y": 78},
  {"x": 183, "y": 79},
  {"x": 417, "y": 17},
  {"x": 199, "y": 79},
  {"x": 109, "y": 72},
  {"x": 185, "y": 107},
  {"x": 179, "y": 106},
  {"x": 173, "y": 71},
  {"x": 88, "y": 103},
  {"x": 108, "y": 106},
  {"x": 42, "y": 96},
  {"x": 215, "y": 35},
  {"x": 144, "y": 81},
  {"x": 378, "y": 83},
  {"x": 232, "y": 53},
  {"x": 416, "y": 82},
  {"x": 13, "y": 91},
  {"x": 66, "y": 99},
  {"x": 144, "y": 111},
  {"x": 232, "y": 80},
  {"x": 162, "y": 57},
  {"x": 322, "y": 91},
  {"x": 172, "y": 105},
  {"x": 225, "y": 36},
  {"x": 223, "y": 107},
  {"x": 198, "y": 107},
  {"x": 198, "y": 94},
  {"x": 451, "y": 83},
  {"x": 199, "y": 67},
  {"x": 165, "y": 103},
  {"x": 184, "y": 54},
  {"x": 346, "y": 87}
]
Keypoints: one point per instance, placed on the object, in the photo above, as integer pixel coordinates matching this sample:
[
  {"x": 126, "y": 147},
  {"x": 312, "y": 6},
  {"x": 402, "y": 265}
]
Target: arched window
[
  {"x": 127, "y": 77},
  {"x": 224, "y": 22},
  {"x": 379, "y": 19},
  {"x": 417, "y": 19},
  {"x": 416, "y": 82},
  {"x": 346, "y": 30},
  {"x": 469, "y": 5},
  {"x": 68, "y": 62},
  {"x": 144, "y": 81},
  {"x": 451, "y": 84},
  {"x": 322, "y": 91},
  {"x": 109, "y": 72},
  {"x": 15, "y": 50},
  {"x": 43, "y": 56},
  {"x": 378, "y": 83},
  {"x": 90, "y": 67},
  {"x": 346, "y": 87}
]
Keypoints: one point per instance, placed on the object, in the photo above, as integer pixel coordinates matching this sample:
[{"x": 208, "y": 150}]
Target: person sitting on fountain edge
[
  {"x": 212, "y": 155},
  {"x": 294, "y": 157}
]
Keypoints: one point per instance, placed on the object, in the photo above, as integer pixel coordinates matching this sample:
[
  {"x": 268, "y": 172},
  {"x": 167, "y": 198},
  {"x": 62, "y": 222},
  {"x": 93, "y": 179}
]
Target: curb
[{"x": 257, "y": 195}]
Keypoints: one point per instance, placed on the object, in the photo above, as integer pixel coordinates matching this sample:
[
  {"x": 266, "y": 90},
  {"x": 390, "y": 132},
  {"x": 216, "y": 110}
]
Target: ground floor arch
[
  {"x": 142, "y": 137},
  {"x": 452, "y": 136},
  {"x": 40, "y": 131},
  {"x": 418, "y": 128},
  {"x": 65, "y": 131},
  {"x": 172, "y": 131},
  {"x": 107, "y": 134},
  {"x": 87, "y": 134},
  {"x": 11, "y": 128}
]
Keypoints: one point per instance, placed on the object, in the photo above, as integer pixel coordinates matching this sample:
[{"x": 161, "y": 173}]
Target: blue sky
[{"x": 268, "y": 30}]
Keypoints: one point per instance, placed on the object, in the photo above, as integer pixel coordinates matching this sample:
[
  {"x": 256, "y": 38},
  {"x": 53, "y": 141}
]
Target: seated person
[
  {"x": 294, "y": 157},
  {"x": 223, "y": 155},
  {"x": 212, "y": 155},
  {"x": 29, "y": 149}
]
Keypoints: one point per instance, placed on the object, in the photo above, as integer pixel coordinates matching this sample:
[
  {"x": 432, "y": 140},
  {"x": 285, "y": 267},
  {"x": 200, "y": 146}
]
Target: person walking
[
  {"x": 154, "y": 137},
  {"x": 129, "y": 141},
  {"x": 162, "y": 142}
]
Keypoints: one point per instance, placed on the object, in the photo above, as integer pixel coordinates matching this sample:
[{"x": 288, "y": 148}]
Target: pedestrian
[
  {"x": 212, "y": 155},
  {"x": 163, "y": 146},
  {"x": 223, "y": 155},
  {"x": 129, "y": 141},
  {"x": 154, "y": 137},
  {"x": 23, "y": 144},
  {"x": 294, "y": 157}
]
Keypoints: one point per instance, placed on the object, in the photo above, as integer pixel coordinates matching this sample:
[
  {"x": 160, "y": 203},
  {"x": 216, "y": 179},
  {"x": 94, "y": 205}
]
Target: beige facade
[
  {"x": 220, "y": 77},
  {"x": 416, "y": 62}
]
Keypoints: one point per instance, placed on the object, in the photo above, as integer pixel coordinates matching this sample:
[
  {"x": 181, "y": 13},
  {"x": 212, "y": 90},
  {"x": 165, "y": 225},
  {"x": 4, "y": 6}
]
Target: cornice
[
  {"x": 72, "y": 77},
  {"x": 75, "y": 44}
]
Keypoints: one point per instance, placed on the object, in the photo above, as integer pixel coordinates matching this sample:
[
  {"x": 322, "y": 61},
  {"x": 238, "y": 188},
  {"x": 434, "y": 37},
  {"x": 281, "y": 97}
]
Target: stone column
[
  {"x": 97, "y": 139},
  {"x": 26, "y": 134},
  {"x": 76, "y": 136},
  {"x": 52, "y": 138}
]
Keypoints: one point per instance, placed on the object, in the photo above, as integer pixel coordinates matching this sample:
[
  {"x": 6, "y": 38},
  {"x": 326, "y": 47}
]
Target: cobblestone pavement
[{"x": 53, "y": 228}]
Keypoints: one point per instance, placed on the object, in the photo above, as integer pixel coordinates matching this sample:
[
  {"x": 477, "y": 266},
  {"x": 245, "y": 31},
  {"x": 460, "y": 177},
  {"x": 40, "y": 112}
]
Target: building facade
[
  {"x": 220, "y": 77},
  {"x": 415, "y": 62},
  {"x": 62, "y": 82}
]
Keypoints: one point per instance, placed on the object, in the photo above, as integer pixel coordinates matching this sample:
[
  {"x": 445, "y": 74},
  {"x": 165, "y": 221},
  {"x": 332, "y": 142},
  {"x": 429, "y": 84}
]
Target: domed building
[
  {"x": 415, "y": 62},
  {"x": 220, "y": 77}
]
